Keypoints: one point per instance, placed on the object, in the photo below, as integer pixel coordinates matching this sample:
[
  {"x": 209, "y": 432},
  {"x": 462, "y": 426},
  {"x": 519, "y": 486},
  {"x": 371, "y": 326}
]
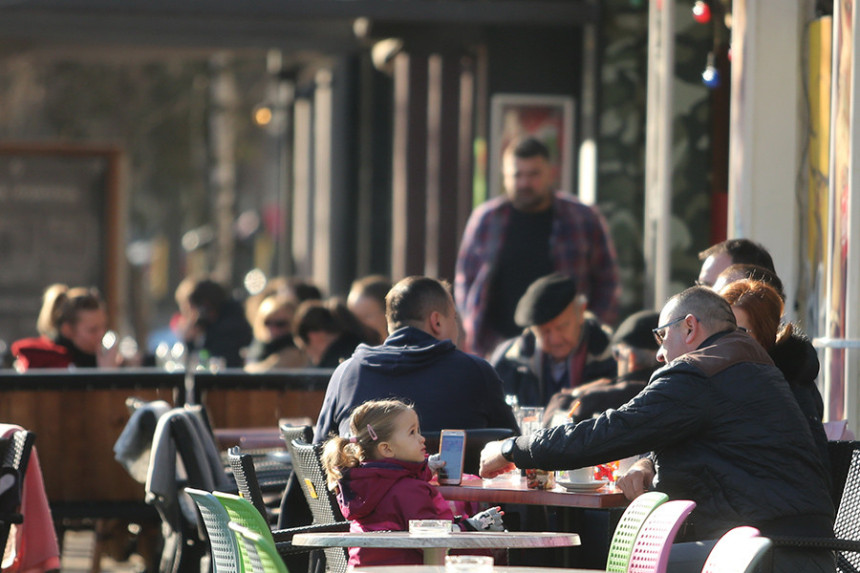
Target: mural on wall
[{"x": 621, "y": 159}]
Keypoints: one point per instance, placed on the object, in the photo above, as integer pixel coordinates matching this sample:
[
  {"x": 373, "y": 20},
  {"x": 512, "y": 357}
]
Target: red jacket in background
[{"x": 40, "y": 352}]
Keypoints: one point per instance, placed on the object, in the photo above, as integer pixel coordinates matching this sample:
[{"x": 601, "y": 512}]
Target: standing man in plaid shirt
[{"x": 531, "y": 231}]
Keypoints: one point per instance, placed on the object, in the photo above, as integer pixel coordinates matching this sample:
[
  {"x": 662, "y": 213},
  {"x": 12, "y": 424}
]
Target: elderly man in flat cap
[
  {"x": 562, "y": 346},
  {"x": 635, "y": 351}
]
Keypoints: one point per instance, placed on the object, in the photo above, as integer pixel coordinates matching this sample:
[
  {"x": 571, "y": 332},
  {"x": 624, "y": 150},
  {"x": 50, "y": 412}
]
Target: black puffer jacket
[
  {"x": 796, "y": 358},
  {"x": 725, "y": 432}
]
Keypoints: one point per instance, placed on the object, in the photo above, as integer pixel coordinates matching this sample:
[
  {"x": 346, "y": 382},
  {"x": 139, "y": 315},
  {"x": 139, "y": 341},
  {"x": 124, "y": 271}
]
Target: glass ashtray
[{"x": 429, "y": 526}]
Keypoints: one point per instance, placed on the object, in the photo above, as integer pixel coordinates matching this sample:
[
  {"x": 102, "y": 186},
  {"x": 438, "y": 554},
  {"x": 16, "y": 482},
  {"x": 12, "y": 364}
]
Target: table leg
[{"x": 434, "y": 555}]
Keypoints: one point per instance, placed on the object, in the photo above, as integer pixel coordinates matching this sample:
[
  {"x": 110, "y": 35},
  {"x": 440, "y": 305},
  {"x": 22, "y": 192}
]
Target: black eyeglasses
[{"x": 659, "y": 335}]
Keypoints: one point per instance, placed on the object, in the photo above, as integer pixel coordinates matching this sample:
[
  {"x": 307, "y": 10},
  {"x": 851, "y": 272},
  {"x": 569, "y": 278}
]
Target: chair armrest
[
  {"x": 284, "y": 535},
  {"x": 817, "y": 543}
]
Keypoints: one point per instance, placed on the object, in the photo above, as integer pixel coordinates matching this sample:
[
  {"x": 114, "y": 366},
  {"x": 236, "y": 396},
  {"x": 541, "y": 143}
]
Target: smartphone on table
[{"x": 452, "y": 447}]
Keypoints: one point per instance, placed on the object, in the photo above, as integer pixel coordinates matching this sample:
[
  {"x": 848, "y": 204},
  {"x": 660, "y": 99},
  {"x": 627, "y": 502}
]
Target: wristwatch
[{"x": 508, "y": 449}]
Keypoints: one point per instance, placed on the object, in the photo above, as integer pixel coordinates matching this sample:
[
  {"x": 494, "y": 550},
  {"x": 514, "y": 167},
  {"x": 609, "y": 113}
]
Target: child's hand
[
  {"x": 487, "y": 520},
  {"x": 435, "y": 463}
]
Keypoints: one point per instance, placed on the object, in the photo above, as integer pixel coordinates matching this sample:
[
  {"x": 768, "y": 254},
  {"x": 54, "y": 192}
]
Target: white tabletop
[{"x": 436, "y": 546}]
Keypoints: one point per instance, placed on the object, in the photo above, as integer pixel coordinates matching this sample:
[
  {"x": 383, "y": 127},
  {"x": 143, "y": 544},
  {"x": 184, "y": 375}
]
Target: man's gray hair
[{"x": 709, "y": 308}]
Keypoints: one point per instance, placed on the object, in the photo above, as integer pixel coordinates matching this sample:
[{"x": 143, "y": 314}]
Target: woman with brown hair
[
  {"x": 758, "y": 308},
  {"x": 72, "y": 323}
]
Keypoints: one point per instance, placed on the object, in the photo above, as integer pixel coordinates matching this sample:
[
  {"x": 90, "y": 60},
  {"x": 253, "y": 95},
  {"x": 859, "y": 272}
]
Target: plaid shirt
[{"x": 580, "y": 246}]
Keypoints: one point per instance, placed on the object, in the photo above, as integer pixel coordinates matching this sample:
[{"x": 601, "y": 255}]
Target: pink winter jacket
[{"x": 385, "y": 495}]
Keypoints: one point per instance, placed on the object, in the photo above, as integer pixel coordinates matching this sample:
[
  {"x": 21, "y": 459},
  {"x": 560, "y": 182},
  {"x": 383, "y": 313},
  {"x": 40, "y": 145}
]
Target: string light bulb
[
  {"x": 711, "y": 76},
  {"x": 701, "y": 12}
]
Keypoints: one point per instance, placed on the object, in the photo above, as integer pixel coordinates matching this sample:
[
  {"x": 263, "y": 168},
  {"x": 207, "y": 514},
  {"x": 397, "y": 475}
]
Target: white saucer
[{"x": 583, "y": 486}]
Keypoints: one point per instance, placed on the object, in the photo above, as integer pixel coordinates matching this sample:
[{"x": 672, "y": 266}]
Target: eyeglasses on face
[{"x": 660, "y": 331}]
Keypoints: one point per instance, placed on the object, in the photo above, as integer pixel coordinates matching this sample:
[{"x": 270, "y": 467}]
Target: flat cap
[
  {"x": 544, "y": 300},
  {"x": 636, "y": 330}
]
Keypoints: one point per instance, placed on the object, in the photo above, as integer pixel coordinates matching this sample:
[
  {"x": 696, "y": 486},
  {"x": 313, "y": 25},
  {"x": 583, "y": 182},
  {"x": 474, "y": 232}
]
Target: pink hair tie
[
  {"x": 372, "y": 433},
  {"x": 353, "y": 439}
]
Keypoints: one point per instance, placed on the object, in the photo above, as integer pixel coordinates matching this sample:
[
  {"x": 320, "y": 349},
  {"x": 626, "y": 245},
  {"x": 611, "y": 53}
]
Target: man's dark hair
[
  {"x": 742, "y": 252},
  {"x": 529, "y": 147},
  {"x": 411, "y": 301},
  {"x": 314, "y": 316},
  {"x": 709, "y": 308}
]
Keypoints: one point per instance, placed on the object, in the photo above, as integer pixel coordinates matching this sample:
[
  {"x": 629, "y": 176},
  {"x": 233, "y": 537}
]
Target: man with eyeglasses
[{"x": 723, "y": 430}]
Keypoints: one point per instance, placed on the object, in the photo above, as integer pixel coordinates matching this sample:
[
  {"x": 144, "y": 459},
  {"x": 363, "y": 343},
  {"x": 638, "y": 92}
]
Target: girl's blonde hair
[
  {"x": 369, "y": 424},
  {"x": 61, "y": 305}
]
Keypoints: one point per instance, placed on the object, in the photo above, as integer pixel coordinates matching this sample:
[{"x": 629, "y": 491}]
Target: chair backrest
[
  {"x": 738, "y": 551},
  {"x": 476, "y": 439},
  {"x": 18, "y": 454},
  {"x": 242, "y": 512},
  {"x": 628, "y": 528},
  {"x": 652, "y": 545},
  {"x": 263, "y": 555},
  {"x": 246, "y": 479},
  {"x": 840, "y": 453},
  {"x": 847, "y": 524},
  {"x": 300, "y": 433},
  {"x": 224, "y": 545},
  {"x": 323, "y": 503}
]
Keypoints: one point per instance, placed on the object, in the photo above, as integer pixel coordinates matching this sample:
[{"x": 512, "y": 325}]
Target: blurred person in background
[
  {"x": 212, "y": 321},
  {"x": 323, "y": 336},
  {"x": 71, "y": 324},
  {"x": 366, "y": 300},
  {"x": 273, "y": 345},
  {"x": 718, "y": 257}
]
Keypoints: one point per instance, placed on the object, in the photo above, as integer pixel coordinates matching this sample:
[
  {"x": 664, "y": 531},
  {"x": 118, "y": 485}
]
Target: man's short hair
[
  {"x": 529, "y": 147},
  {"x": 709, "y": 308},
  {"x": 741, "y": 251},
  {"x": 411, "y": 301}
]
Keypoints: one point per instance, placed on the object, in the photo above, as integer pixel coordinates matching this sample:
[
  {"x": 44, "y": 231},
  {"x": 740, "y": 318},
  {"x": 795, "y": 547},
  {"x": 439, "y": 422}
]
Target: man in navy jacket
[{"x": 419, "y": 363}]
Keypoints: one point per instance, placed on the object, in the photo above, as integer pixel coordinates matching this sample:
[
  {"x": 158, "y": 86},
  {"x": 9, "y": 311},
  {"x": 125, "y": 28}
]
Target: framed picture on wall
[{"x": 549, "y": 118}]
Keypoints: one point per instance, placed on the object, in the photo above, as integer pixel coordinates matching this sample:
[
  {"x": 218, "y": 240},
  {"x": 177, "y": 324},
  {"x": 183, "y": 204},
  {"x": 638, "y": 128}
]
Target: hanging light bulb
[
  {"x": 701, "y": 12},
  {"x": 711, "y": 76}
]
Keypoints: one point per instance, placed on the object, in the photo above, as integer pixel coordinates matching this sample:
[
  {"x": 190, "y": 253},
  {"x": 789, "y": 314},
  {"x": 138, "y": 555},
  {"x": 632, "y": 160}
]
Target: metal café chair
[{"x": 262, "y": 555}]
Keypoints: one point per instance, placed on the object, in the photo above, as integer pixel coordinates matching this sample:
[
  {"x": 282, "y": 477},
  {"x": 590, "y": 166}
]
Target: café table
[
  {"x": 473, "y": 488},
  {"x": 436, "y": 546},
  {"x": 591, "y": 514}
]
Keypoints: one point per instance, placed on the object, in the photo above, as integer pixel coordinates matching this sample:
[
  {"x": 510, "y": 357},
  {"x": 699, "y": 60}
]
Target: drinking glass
[{"x": 429, "y": 526}]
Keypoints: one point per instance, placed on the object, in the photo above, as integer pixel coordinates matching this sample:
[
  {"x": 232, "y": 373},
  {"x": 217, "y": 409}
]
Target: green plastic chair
[
  {"x": 243, "y": 512},
  {"x": 263, "y": 555},
  {"x": 621, "y": 547},
  {"x": 223, "y": 542}
]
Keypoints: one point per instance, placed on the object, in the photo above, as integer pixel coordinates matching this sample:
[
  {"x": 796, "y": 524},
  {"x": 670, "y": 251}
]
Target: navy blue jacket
[
  {"x": 725, "y": 431},
  {"x": 449, "y": 388}
]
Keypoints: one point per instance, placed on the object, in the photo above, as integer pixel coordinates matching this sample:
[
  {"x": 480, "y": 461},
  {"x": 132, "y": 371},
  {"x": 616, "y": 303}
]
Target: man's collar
[{"x": 714, "y": 337}]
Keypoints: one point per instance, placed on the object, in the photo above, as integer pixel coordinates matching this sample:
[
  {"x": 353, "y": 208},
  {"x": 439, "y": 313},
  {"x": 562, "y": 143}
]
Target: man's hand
[
  {"x": 637, "y": 480},
  {"x": 492, "y": 462}
]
